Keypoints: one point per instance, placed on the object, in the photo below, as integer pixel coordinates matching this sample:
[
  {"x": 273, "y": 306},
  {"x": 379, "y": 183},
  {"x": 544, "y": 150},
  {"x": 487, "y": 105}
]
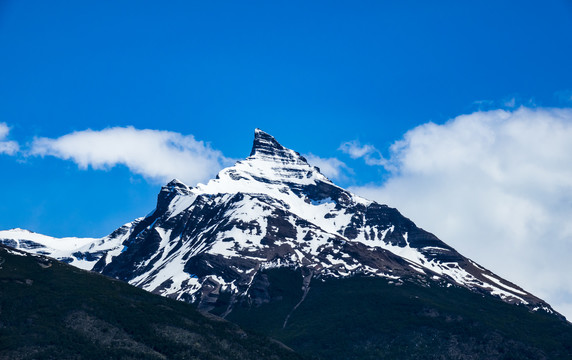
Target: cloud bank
[
  {"x": 157, "y": 155},
  {"x": 497, "y": 186},
  {"x": 7, "y": 147}
]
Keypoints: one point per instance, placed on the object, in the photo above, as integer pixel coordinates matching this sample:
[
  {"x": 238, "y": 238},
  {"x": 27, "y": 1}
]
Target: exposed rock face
[{"x": 273, "y": 209}]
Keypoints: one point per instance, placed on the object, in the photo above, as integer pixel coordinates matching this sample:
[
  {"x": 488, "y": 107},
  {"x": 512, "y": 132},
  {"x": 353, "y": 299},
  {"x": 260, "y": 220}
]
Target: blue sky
[{"x": 368, "y": 89}]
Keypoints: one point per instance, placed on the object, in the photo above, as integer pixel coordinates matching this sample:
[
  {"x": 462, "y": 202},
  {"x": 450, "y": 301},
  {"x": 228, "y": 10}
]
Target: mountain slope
[
  {"x": 50, "y": 310},
  {"x": 365, "y": 318},
  {"x": 275, "y": 210},
  {"x": 272, "y": 209}
]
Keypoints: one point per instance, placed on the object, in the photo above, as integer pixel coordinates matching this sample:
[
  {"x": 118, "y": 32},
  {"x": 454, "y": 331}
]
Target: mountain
[
  {"x": 50, "y": 310},
  {"x": 271, "y": 210},
  {"x": 274, "y": 245}
]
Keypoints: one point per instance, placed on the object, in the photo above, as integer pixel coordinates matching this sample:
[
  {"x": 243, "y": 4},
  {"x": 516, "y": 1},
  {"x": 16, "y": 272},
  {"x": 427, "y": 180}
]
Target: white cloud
[
  {"x": 7, "y": 147},
  {"x": 356, "y": 150},
  {"x": 497, "y": 186},
  {"x": 368, "y": 152},
  {"x": 333, "y": 168},
  {"x": 157, "y": 155}
]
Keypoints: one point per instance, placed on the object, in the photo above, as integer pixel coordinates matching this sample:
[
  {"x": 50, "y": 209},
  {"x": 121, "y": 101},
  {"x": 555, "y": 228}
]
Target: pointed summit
[
  {"x": 266, "y": 147},
  {"x": 264, "y": 143},
  {"x": 270, "y": 168}
]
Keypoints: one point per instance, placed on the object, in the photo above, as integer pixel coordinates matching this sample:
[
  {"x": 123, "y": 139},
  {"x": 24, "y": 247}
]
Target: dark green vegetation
[
  {"x": 369, "y": 318},
  {"x": 50, "y": 310}
]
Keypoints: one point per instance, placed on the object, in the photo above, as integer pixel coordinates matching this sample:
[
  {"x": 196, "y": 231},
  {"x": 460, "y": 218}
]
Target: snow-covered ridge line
[
  {"x": 83, "y": 253},
  {"x": 65, "y": 243}
]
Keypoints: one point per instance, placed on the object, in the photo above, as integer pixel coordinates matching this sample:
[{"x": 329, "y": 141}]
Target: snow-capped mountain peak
[
  {"x": 274, "y": 209},
  {"x": 271, "y": 168},
  {"x": 265, "y": 147}
]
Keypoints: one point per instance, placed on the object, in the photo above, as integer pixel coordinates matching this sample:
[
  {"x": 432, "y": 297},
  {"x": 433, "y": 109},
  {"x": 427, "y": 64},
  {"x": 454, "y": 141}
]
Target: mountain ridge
[{"x": 273, "y": 209}]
